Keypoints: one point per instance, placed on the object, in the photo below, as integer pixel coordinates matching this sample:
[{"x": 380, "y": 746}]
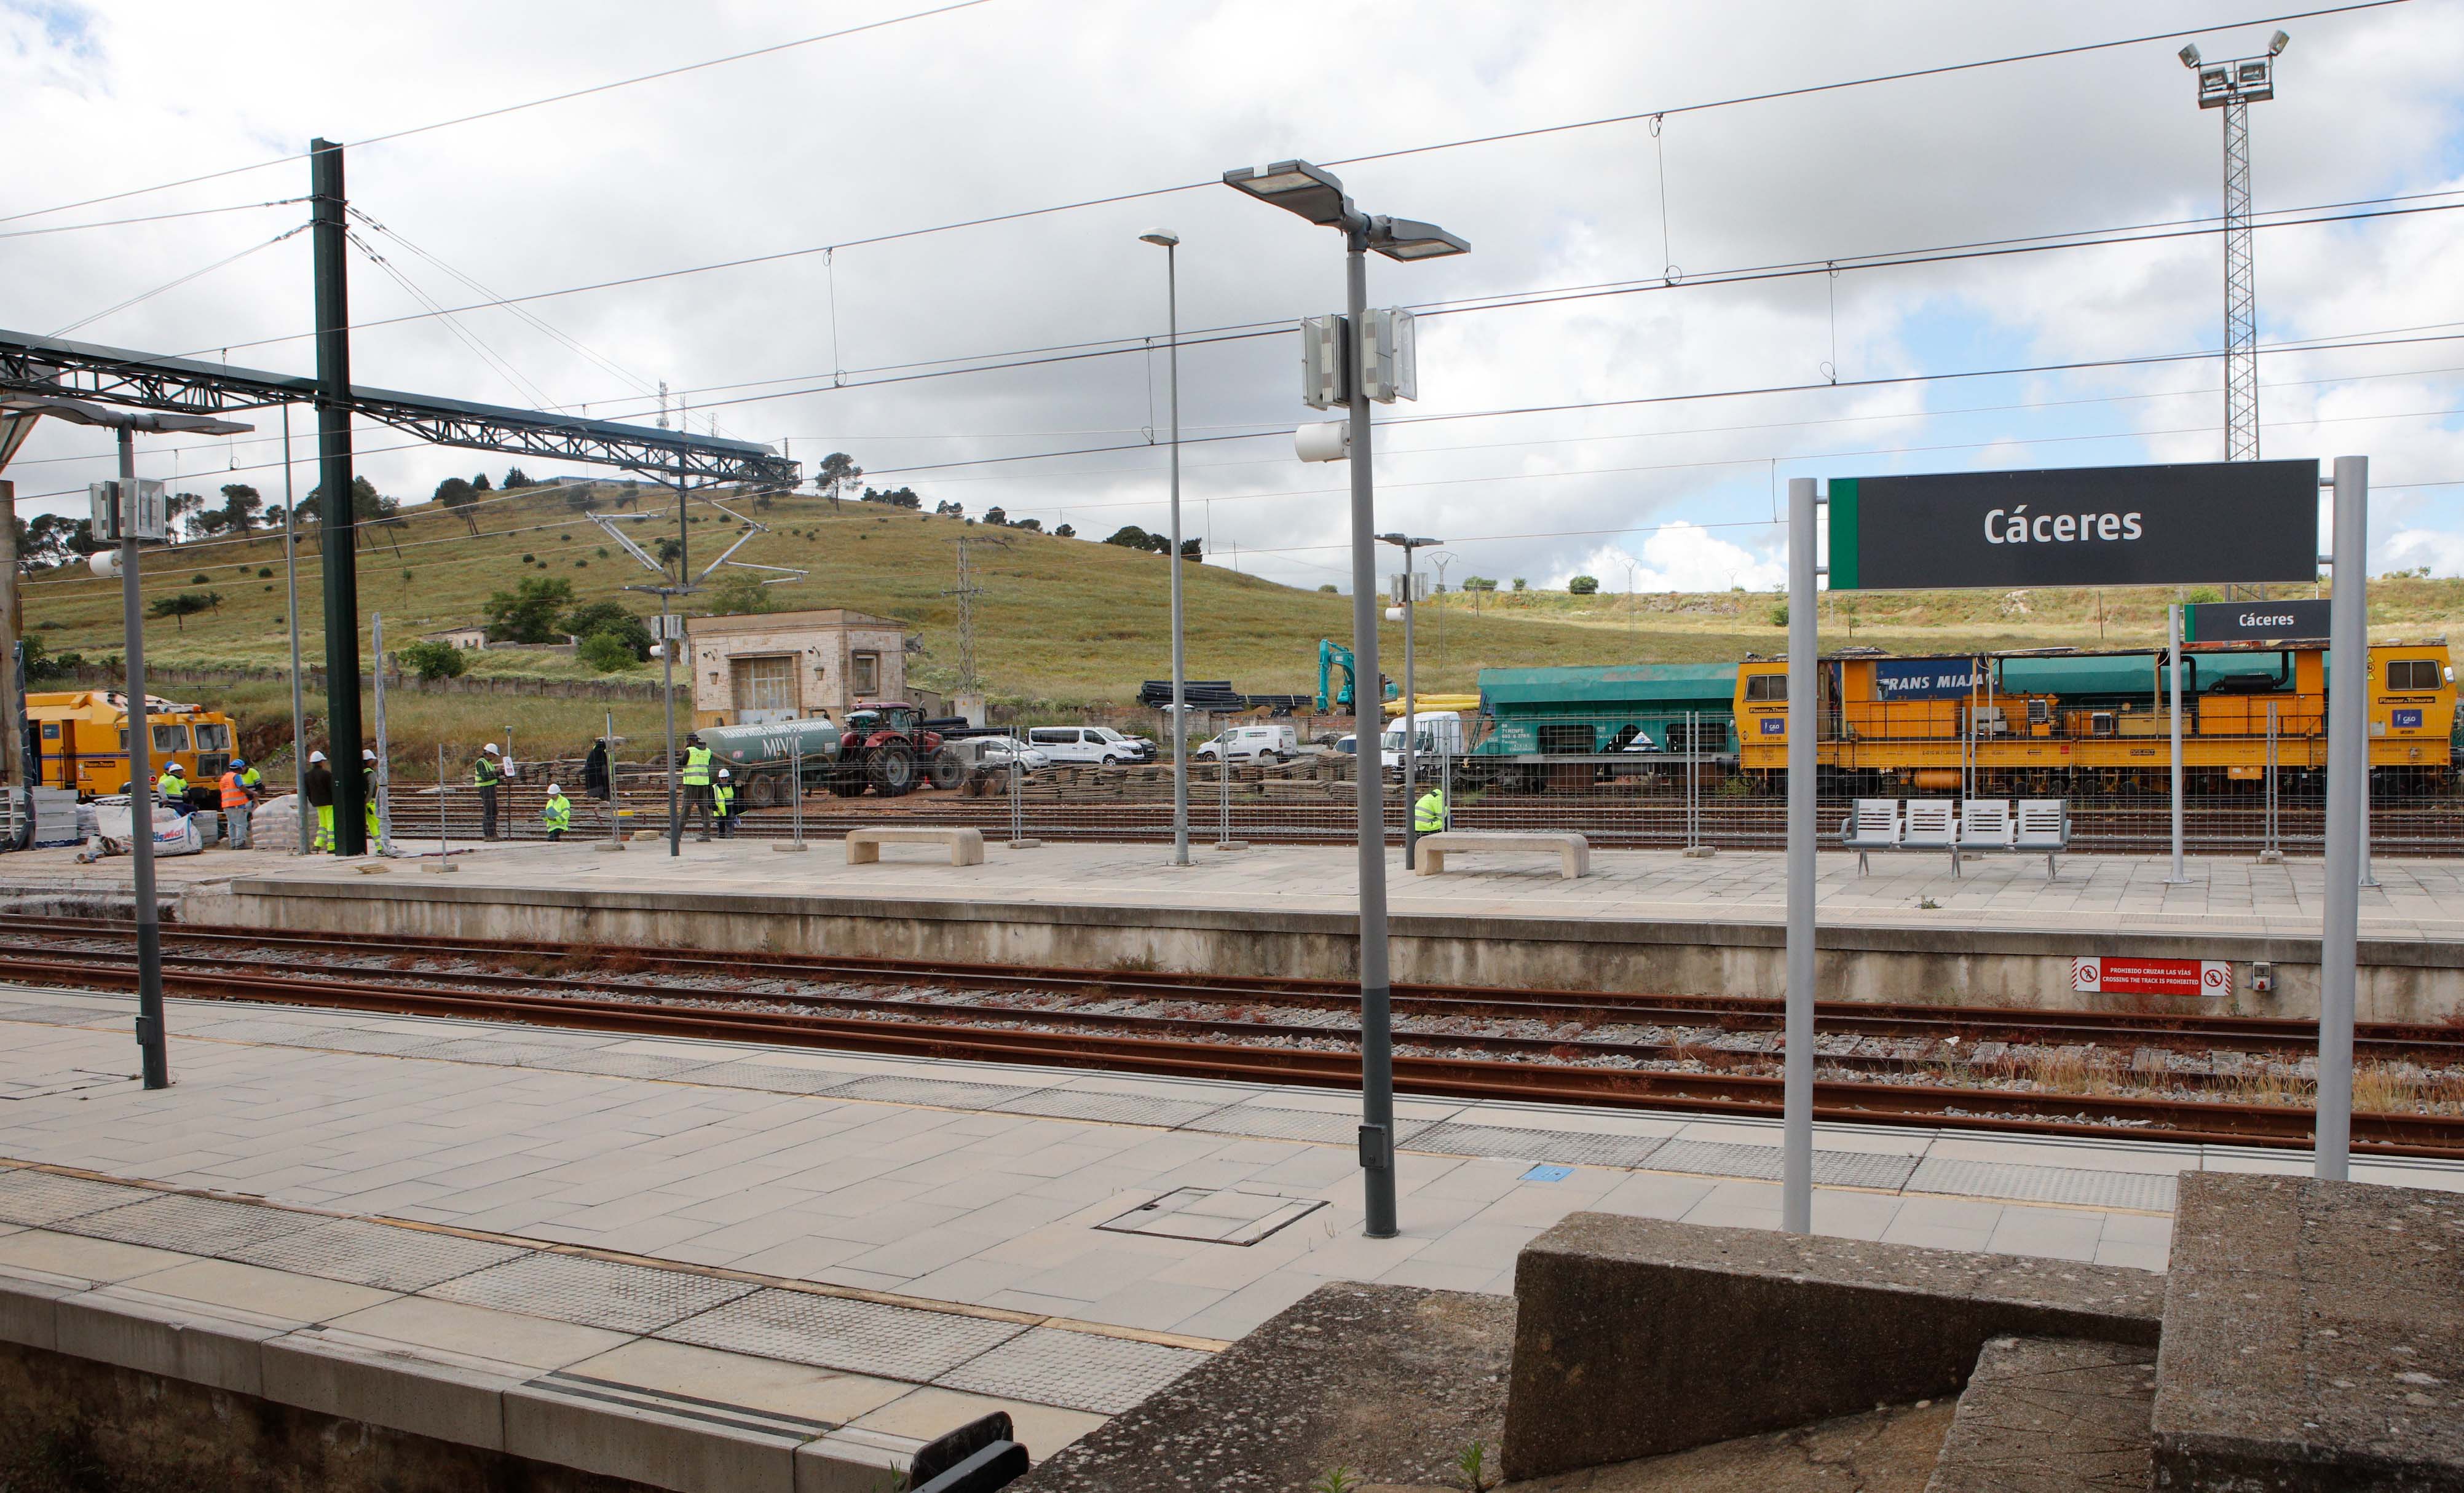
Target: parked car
[
  {"x": 1144, "y": 749},
  {"x": 1002, "y": 751},
  {"x": 1250, "y": 743},
  {"x": 1097, "y": 744}
]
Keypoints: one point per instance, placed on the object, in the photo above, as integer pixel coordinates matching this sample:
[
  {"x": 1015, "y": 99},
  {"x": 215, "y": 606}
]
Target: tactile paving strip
[
  {"x": 892, "y": 1088},
  {"x": 383, "y": 1044},
  {"x": 1269, "y": 1123},
  {"x": 1512, "y": 1144},
  {"x": 376, "y": 1254},
  {"x": 2153, "y": 1191},
  {"x": 1077, "y": 1370},
  {"x": 596, "y": 1293},
  {"x": 854, "y": 1336},
  {"x": 1086, "y": 1103},
  {"x": 191, "y": 1225},
  {"x": 40, "y": 1197},
  {"x": 772, "y": 1077},
  {"x": 1831, "y": 1167}
]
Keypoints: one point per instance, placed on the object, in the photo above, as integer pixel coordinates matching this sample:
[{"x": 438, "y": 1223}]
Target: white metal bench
[
  {"x": 1573, "y": 850},
  {"x": 2042, "y": 827},
  {"x": 966, "y": 846},
  {"x": 1875, "y": 825}
]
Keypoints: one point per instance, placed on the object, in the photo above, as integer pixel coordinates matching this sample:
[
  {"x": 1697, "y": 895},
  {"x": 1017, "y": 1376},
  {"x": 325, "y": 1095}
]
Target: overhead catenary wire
[
  {"x": 152, "y": 218},
  {"x": 172, "y": 285}
]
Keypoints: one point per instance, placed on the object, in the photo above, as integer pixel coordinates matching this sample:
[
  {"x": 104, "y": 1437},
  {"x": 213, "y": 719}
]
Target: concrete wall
[{"x": 2400, "y": 982}]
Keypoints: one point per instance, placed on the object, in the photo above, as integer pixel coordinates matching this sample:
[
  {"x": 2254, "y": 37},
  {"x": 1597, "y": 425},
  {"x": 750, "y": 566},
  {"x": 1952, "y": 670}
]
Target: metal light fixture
[
  {"x": 1405, "y": 239},
  {"x": 1296, "y": 186}
]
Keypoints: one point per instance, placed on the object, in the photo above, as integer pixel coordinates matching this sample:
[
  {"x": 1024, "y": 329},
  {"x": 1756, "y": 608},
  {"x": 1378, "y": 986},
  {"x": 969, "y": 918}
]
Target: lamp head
[
  {"x": 1406, "y": 239},
  {"x": 2190, "y": 55},
  {"x": 1296, "y": 186},
  {"x": 1160, "y": 237},
  {"x": 2277, "y": 44}
]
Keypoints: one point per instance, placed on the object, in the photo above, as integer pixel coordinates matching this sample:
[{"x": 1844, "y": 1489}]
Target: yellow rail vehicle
[
  {"x": 82, "y": 738},
  {"x": 2061, "y": 720}
]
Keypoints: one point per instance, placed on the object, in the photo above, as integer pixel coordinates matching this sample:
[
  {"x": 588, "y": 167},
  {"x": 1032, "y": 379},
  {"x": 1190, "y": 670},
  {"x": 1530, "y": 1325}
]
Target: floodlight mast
[
  {"x": 2233, "y": 86},
  {"x": 1313, "y": 193}
]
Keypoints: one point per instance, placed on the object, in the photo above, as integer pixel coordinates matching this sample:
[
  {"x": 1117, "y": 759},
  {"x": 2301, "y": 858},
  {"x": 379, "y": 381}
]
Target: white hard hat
[
  {"x": 174, "y": 767},
  {"x": 367, "y": 753},
  {"x": 553, "y": 788},
  {"x": 316, "y": 756},
  {"x": 489, "y": 748},
  {"x": 723, "y": 772}
]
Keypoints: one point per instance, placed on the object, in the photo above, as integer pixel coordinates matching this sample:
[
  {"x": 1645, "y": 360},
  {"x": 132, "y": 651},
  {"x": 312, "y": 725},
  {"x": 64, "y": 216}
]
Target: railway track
[{"x": 1914, "y": 1065}]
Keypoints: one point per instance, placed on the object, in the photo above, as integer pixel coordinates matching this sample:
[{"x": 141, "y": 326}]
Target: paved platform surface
[
  {"x": 923, "y": 1240},
  {"x": 2416, "y": 899}
]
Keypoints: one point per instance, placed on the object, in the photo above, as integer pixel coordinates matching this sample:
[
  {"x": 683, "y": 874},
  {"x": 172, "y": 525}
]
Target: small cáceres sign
[
  {"x": 2115, "y": 974},
  {"x": 2178, "y": 525},
  {"x": 2255, "y": 621}
]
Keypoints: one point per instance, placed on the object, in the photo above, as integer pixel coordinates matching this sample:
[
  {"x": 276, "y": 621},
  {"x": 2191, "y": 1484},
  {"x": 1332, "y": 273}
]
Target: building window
[
  {"x": 764, "y": 684},
  {"x": 868, "y": 673}
]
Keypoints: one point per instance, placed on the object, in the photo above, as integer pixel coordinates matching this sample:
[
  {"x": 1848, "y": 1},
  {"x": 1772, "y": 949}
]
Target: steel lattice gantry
[
  {"x": 116, "y": 376},
  {"x": 2241, "y": 292}
]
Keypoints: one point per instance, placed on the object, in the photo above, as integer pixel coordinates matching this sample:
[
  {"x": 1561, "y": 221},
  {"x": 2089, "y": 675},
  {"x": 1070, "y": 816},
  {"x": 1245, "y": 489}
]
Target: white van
[
  {"x": 1251, "y": 742},
  {"x": 1098, "y": 744},
  {"x": 1434, "y": 734}
]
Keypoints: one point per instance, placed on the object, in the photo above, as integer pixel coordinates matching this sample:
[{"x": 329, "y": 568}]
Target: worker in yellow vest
[
  {"x": 1429, "y": 812},
  {"x": 173, "y": 785},
  {"x": 486, "y": 774},
  {"x": 558, "y": 815},
  {"x": 368, "y": 805},
  {"x": 318, "y": 783},
  {"x": 722, "y": 794},
  {"x": 697, "y": 784}
]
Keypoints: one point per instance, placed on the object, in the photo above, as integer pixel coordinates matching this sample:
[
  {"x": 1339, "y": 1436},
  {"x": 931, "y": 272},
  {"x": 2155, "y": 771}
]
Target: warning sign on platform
[{"x": 2107, "y": 974}]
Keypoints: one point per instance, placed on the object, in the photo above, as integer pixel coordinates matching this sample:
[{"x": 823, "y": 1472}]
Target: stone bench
[
  {"x": 966, "y": 846},
  {"x": 1573, "y": 849}
]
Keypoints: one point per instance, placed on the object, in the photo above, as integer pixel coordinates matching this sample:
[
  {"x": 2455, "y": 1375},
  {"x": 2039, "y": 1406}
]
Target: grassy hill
[{"x": 1062, "y": 625}]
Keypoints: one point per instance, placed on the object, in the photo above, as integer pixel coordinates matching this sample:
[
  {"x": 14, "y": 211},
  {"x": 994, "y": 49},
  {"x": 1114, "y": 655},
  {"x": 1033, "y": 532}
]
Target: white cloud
[{"x": 1682, "y": 557}]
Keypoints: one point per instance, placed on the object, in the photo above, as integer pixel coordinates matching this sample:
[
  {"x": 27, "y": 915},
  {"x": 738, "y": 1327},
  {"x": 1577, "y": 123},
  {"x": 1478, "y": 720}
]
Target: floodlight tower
[{"x": 2233, "y": 87}]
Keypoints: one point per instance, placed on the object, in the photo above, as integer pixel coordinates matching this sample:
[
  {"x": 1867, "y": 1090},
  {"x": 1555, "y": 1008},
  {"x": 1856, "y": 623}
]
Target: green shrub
[
  {"x": 431, "y": 659},
  {"x": 607, "y": 653}
]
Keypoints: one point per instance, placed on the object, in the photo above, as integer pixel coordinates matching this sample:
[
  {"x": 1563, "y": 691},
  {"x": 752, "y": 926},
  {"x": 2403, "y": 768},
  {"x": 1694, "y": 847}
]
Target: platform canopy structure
[{"x": 52, "y": 367}]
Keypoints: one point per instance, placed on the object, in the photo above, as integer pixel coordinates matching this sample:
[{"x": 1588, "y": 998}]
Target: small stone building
[
  {"x": 474, "y": 637},
  {"x": 783, "y": 666}
]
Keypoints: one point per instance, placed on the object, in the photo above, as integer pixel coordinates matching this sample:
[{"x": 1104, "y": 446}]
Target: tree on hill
[
  {"x": 480, "y": 483},
  {"x": 1065, "y": 532},
  {"x": 529, "y": 612},
  {"x": 595, "y": 619},
  {"x": 178, "y": 507},
  {"x": 432, "y": 659},
  {"x": 738, "y": 595},
  {"x": 516, "y": 476},
  {"x": 240, "y": 505},
  {"x": 1583, "y": 585},
  {"x": 895, "y": 498},
  {"x": 951, "y": 509},
  {"x": 457, "y": 496},
  {"x": 997, "y": 517},
  {"x": 1129, "y": 537},
  {"x": 1193, "y": 551},
  {"x": 1030, "y": 526},
  {"x": 186, "y": 603},
  {"x": 1478, "y": 583},
  {"x": 837, "y": 472}
]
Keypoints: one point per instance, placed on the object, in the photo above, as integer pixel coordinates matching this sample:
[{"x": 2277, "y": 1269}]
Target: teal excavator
[{"x": 1331, "y": 656}]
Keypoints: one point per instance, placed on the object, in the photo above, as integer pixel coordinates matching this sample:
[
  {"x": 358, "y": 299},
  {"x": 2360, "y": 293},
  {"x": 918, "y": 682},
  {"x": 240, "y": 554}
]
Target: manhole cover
[{"x": 1228, "y": 1216}]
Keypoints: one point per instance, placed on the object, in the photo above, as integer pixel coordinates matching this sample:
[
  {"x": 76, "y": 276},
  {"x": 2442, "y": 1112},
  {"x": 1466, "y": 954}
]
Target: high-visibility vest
[
  {"x": 696, "y": 767},
  {"x": 722, "y": 795},
  {"x": 558, "y": 813},
  {"x": 252, "y": 780},
  {"x": 368, "y": 813},
  {"x": 172, "y": 785},
  {"x": 235, "y": 794},
  {"x": 486, "y": 774},
  {"x": 1429, "y": 814}
]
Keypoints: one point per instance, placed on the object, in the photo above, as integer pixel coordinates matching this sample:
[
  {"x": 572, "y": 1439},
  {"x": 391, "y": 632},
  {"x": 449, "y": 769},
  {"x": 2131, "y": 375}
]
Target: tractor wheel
[
  {"x": 846, "y": 781},
  {"x": 765, "y": 792},
  {"x": 893, "y": 769},
  {"x": 946, "y": 770}
]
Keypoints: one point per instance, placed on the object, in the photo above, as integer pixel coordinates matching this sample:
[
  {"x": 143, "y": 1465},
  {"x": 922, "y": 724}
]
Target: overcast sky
[{"x": 1011, "y": 106}]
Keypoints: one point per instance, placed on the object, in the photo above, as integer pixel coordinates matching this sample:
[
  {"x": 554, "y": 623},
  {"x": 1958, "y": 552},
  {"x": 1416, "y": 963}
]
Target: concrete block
[
  {"x": 358, "y": 1381},
  {"x": 1637, "y": 1337},
  {"x": 966, "y": 846},
  {"x": 850, "y": 1460},
  {"x": 2314, "y": 1337},
  {"x": 178, "y": 1340},
  {"x": 26, "y": 1311},
  {"x": 667, "y": 1443},
  {"x": 2047, "y": 1415}
]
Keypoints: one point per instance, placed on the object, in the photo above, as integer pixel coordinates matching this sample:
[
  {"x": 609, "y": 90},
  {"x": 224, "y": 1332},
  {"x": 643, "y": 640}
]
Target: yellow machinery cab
[{"x": 81, "y": 736}]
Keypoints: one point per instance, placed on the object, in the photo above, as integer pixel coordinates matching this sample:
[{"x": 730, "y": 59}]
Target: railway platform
[
  {"x": 691, "y": 1262},
  {"x": 1642, "y": 920}
]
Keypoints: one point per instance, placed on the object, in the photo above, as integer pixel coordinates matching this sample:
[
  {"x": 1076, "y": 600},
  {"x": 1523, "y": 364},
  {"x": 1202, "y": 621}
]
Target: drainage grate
[
  {"x": 1831, "y": 1167},
  {"x": 1215, "y": 1216},
  {"x": 192, "y": 1225},
  {"x": 597, "y": 1293},
  {"x": 854, "y": 1336},
  {"x": 1077, "y": 1370},
  {"x": 1511, "y": 1144},
  {"x": 2152, "y": 1192},
  {"x": 376, "y": 1254},
  {"x": 41, "y": 1199}
]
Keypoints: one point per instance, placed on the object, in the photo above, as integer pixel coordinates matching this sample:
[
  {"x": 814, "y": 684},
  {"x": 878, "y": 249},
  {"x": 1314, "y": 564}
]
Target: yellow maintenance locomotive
[{"x": 81, "y": 738}]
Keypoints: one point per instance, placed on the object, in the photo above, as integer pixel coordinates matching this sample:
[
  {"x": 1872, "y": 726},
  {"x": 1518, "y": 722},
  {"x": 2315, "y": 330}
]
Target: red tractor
[{"x": 885, "y": 748}]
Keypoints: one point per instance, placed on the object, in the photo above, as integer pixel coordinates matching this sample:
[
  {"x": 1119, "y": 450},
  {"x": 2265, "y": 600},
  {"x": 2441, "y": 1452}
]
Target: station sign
[
  {"x": 2110, "y": 974},
  {"x": 1925, "y": 678},
  {"x": 2172, "y": 525},
  {"x": 2255, "y": 621}
]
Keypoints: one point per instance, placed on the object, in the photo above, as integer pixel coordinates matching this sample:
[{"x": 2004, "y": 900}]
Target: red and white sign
[{"x": 2112, "y": 974}]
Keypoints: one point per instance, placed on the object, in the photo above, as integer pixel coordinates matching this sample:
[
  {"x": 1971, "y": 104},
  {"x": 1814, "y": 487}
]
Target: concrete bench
[
  {"x": 1573, "y": 849},
  {"x": 966, "y": 846}
]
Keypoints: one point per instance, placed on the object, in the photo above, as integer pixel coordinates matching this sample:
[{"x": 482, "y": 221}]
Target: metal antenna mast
[
  {"x": 966, "y": 592},
  {"x": 2233, "y": 87}
]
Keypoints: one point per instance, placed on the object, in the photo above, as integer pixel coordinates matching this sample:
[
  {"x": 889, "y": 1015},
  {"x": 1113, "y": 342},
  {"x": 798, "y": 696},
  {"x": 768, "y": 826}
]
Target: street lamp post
[
  {"x": 120, "y": 515},
  {"x": 1318, "y": 196},
  {"x": 2233, "y": 86},
  {"x": 1411, "y": 696},
  {"x": 1169, "y": 243}
]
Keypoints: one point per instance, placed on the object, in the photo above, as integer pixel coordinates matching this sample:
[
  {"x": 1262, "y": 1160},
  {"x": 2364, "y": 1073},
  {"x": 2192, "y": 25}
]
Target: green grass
[{"x": 1062, "y": 625}]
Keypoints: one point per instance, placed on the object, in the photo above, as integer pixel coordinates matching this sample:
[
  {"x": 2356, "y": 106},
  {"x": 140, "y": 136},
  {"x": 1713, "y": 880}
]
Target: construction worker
[
  {"x": 173, "y": 785},
  {"x": 369, "y": 805},
  {"x": 697, "y": 784},
  {"x": 558, "y": 815},
  {"x": 488, "y": 772},
  {"x": 1429, "y": 811},
  {"x": 252, "y": 780},
  {"x": 237, "y": 801},
  {"x": 318, "y": 783},
  {"x": 723, "y": 797}
]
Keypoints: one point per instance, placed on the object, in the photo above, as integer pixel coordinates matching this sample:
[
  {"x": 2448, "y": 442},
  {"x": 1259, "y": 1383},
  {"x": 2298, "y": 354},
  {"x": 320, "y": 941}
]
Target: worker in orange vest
[{"x": 237, "y": 802}]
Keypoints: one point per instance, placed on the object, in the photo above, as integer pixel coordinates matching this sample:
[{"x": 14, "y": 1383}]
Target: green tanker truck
[{"x": 882, "y": 747}]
